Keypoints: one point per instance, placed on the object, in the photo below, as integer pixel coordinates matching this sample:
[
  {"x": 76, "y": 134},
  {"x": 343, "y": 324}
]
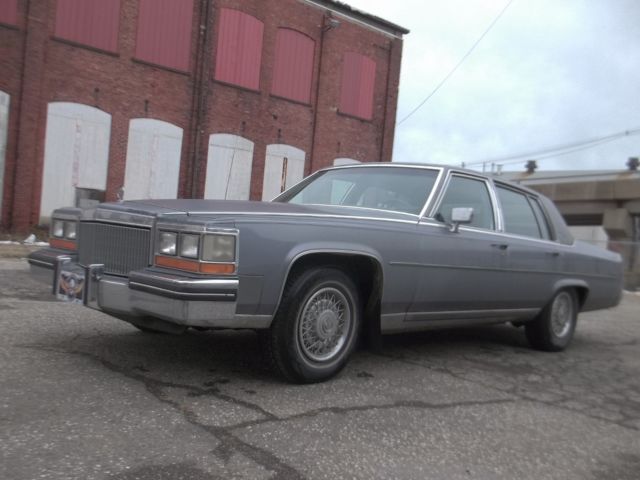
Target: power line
[
  {"x": 469, "y": 52},
  {"x": 558, "y": 150}
]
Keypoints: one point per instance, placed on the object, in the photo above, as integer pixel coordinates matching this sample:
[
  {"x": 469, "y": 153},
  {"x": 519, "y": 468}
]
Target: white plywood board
[
  {"x": 229, "y": 165},
  {"x": 76, "y": 154},
  {"x": 153, "y": 159},
  {"x": 283, "y": 168},
  {"x": 4, "y": 129}
]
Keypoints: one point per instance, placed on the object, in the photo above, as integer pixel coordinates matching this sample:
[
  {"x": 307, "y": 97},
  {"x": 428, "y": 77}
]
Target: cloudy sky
[{"x": 549, "y": 73}]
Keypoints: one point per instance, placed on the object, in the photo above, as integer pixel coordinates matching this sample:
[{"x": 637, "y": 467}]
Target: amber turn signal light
[
  {"x": 195, "y": 266},
  {"x": 62, "y": 244}
]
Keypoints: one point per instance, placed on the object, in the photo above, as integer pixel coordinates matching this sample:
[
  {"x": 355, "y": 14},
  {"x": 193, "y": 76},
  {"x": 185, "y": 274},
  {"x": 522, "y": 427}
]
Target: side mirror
[{"x": 460, "y": 216}]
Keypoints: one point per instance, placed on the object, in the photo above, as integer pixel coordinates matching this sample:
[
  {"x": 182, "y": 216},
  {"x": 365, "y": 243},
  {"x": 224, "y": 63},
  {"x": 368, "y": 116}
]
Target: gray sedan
[{"x": 359, "y": 250}]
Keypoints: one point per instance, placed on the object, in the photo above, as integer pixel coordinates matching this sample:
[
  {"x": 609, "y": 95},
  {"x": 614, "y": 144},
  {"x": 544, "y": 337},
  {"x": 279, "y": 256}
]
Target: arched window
[
  {"x": 358, "y": 81},
  {"x": 293, "y": 65},
  {"x": 90, "y": 22},
  {"x": 76, "y": 155},
  {"x": 229, "y": 165},
  {"x": 153, "y": 159},
  {"x": 9, "y": 12},
  {"x": 283, "y": 168},
  {"x": 4, "y": 129},
  {"x": 164, "y": 32},
  {"x": 239, "y": 50}
]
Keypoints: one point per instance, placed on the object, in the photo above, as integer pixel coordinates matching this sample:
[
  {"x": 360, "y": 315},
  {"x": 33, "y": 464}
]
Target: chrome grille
[{"x": 119, "y": 248}]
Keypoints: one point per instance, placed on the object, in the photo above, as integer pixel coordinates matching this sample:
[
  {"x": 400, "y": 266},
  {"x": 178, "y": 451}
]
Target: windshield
[{"x": 397, "y": 189}]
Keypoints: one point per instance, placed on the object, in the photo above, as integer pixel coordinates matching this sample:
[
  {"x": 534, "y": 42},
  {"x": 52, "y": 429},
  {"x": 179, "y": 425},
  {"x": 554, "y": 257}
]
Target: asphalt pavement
[{"x": 85, "y": 396}]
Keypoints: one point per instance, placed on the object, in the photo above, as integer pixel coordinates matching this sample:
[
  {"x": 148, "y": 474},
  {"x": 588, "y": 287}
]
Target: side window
[
  {"x": 467, "y": 192},
  {"x": 542, "y": 219},
  {"x": 519, "y": 217}
]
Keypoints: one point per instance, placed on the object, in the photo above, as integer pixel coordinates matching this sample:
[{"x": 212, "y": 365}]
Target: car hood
[{"x": 236, "y": 209}]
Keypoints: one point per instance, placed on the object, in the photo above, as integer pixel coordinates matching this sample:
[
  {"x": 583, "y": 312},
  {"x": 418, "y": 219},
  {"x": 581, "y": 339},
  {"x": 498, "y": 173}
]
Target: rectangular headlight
[
  {"x": 168, "y": 242},
  {"x": 57, "y": 229},
  {"x": 71, "y": 230},
  {"x": 189, "y": 245},
  {"x": 219, "y": 248}
]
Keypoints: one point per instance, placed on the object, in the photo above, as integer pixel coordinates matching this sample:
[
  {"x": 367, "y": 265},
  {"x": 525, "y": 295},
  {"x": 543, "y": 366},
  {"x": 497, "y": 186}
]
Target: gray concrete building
[{"x": 600, "y": 206}]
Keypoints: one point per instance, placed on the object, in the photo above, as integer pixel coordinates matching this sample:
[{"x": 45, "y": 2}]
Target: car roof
[{"x": 444, "y": 168}]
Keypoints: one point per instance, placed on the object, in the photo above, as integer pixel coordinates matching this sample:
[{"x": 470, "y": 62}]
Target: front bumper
[{"x": 178, "y": 299}]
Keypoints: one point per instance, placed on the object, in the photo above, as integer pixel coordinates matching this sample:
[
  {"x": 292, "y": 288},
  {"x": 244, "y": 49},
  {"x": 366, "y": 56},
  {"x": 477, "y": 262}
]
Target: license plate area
[{"x": 70, "y": 283}]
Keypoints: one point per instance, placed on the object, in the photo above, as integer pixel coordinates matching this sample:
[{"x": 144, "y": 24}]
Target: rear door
[{"x": 532, "y": 260}]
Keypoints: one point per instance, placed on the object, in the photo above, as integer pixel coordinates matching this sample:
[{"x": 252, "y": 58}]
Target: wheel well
[
  {"x": 365, "y": 271},
  {"x": 581, "y": 293}
]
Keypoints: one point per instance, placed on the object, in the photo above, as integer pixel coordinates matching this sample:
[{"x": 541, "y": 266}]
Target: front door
[{"x": 459, "y": 274}]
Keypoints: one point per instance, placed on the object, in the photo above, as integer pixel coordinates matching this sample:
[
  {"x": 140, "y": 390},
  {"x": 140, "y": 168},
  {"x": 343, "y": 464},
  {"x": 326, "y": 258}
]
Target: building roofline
[{"x": 350, "y": 11}]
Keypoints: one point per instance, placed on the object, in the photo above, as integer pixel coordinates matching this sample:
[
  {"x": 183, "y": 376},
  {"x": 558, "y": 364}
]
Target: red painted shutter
[
  {"x": 239, "y": 50},
  {"x": 90, "y": 22},
  {"x": 293, "y": 66},
  {"x": 358, "y": 81},
  {"x": 9, "y": 12},
  {"x": 164, "y": 32}
]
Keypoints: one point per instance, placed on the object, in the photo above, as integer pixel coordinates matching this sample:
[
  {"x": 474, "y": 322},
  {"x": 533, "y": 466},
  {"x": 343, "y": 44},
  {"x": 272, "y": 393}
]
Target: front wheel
[
  {"x": 316, "y": 326},
  {"x": 552, "y": 330}
]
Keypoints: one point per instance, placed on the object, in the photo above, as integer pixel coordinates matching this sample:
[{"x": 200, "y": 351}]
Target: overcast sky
[{"x": 550, "y": 72}]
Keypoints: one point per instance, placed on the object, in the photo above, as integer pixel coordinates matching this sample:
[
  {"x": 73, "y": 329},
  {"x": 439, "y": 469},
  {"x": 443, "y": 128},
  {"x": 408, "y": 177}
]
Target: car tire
[
  {"x": 316, "y": 326},
  {"x": 553, "y": 328}
]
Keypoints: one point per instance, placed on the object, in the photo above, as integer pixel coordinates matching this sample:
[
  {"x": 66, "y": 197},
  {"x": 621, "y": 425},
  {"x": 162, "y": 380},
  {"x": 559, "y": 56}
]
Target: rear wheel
[
  {"x": 553, "y": 328},
  {"x": 316, "y": 326}
]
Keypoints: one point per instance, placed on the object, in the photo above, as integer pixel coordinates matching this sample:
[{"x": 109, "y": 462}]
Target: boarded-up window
[
  {"x": 344, "y": 161},
  {"x": 89, "y": 22},
  {"x": 153, "y": 159},
  {"x": 229, "y": 165},
  {"x": 283, "y": 168},
  {"x": 164, "y": 32},
  {"x": 9, "y": 12},
  {"x": 239, "y": 50},
  {"x": 76, "y": 154},
  {"x": 293, "y": 66},
  {"x": 358, "y": 80}
]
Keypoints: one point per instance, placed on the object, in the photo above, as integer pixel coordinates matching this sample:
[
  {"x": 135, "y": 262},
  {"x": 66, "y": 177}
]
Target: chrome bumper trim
[
  {"x": 184, "y": 288},
  {"x": 182, "y": 300},
  {"x": 219, "y": 296}
]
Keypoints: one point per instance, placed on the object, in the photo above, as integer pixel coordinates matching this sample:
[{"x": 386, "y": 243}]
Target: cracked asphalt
[{"x": 85, "y": 396}]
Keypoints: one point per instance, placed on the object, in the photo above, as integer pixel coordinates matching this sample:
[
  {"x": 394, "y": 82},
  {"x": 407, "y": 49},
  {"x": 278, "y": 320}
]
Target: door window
[
  {"x": 467, "y": 192},
  {"x": 519, "y": 217}
]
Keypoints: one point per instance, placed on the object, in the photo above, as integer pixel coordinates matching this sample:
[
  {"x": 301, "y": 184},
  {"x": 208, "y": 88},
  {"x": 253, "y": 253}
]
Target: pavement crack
[
  {"x": 415, "y": 404},
  {"x": 156, "y": 387},
  {"x": 516, "y": 391}
]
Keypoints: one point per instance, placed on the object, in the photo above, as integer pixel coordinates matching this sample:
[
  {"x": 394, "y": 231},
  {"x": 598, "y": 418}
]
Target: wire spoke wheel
[
  {"x": 561, "y": 314},
  {"x": 324, "y": 324},
  {"x": 316, "y": 327},
  {"x": 553, "y": 328}
]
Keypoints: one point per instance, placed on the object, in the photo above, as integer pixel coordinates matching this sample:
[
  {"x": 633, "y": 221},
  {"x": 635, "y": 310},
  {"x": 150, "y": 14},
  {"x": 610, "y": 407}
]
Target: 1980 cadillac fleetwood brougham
[{"x": 379, "y": 248}]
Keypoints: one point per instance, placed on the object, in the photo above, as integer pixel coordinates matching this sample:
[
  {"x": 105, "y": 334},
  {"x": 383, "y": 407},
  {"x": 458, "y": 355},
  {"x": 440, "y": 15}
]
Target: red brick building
[{"x": 186, "y": 98}]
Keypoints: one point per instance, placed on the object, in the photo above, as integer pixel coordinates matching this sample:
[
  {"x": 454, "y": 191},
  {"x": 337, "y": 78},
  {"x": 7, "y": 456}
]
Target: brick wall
[{"x": 38, "y": 69}]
